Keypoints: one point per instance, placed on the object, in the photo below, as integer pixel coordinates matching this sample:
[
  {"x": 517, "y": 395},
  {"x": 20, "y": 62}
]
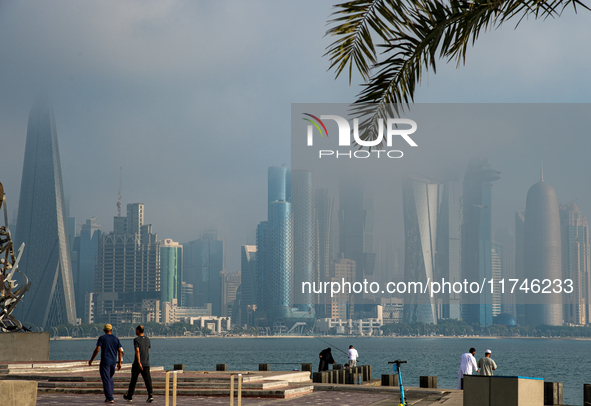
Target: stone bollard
[
  {"x": 328, "y": 376},
  {"x": 552, "y": 393},
  {"x": 335, "y": 376},
  {"x": 369, "y": 372},
  {"x": 307, "y": 367},
  {"x": 390, "y": 380},
  {"x": 366, "y": 372},
  {"x": 221, "y": 367},
  {"x": 341, "y": 376},
  {"x": 264, "y": 367},
  {"x": 179, "y": 367},
  {"x": 586, "y": 394},
  {"x": 428, "y": 382}
]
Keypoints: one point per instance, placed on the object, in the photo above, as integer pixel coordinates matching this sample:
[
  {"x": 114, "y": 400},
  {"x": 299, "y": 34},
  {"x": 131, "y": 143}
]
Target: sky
[{"x": 192, "y": 99}]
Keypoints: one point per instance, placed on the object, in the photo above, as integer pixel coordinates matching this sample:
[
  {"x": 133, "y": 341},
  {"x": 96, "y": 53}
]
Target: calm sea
[{"x": 566, "y": 361}]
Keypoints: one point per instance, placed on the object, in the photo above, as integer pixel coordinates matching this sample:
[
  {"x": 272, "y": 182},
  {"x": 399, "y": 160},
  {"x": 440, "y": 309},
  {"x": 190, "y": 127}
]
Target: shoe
[
  {"x": 109, "y": 401},
  {"x": 126, "y": 397},
  {"x": 150, "y": 399}
]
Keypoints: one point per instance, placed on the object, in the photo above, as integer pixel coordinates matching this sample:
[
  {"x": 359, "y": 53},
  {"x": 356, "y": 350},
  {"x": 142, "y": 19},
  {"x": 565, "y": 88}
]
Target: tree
[{"x": 411, "y": 36}]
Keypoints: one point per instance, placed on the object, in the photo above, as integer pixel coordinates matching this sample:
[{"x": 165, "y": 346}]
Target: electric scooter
[{"x": 397, "y": 370}]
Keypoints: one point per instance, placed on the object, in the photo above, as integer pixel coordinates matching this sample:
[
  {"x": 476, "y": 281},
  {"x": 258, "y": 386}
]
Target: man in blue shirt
[{"x": 111, "y": 356}]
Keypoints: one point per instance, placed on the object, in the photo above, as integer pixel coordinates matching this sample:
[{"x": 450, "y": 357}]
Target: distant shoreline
[{"x": 337, "y": 336}]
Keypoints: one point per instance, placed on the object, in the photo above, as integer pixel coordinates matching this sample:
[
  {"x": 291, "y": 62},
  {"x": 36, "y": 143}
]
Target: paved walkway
[{"x": 348, "y": 398}]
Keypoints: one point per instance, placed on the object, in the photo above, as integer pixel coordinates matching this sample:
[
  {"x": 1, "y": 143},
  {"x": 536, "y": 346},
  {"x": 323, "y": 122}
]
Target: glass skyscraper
[
  {"x": 171, "y": 271},
  {"x": 542, "y": 256},
  {"x": 477, "y": 239},
  {"x": 90, "y": 235},
  {"x": 203, "y": 261},
  {"x": 421, "y": 204},
  {"x": 42, "y": 226}
]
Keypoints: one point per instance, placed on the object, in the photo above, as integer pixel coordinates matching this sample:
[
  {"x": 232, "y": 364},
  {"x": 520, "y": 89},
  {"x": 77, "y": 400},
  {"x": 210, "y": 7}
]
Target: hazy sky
[{"x": 193, "y": 100}]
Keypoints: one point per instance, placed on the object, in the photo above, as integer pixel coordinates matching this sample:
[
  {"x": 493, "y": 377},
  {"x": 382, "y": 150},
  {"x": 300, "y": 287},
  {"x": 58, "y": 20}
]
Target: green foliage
[{"x": 411, "y": 37}]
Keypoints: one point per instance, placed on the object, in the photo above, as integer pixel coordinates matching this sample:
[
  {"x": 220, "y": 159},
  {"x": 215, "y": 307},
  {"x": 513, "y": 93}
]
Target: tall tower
[
  {"x": 171, "y": 271},
  {"x": 42, "y": 226},
  {"x": 477, "y": 239},
  {"x": 575, "y": 263},
  {"x": 421, "y": 204},
  {"x": 304, "y": 233},
  {"x": 542, "y": 253}
]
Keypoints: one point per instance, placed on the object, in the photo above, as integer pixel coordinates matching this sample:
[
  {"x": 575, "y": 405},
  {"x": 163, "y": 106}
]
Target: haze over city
[{"x": 193, "y": 101}]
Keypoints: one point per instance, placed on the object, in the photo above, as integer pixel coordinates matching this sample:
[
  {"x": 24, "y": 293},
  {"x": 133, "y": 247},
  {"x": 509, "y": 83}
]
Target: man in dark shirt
[
  {"x": 141, "y": 364},
  {"x": 111, "y": 350}
]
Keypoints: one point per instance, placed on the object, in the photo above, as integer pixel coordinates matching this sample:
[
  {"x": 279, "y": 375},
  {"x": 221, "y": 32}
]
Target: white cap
[{"x": 487, "y": 352}]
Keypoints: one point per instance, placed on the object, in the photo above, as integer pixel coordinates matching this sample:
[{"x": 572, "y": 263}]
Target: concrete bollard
[
  {"x": 390, "y": 380},
  {"x": 264, "y": 367},
  {"x": 328, "y": 376},
  {"x": 307, "y": 367},
  {"x": 428, "y": 382},
  {"x": 369, "y": 372},
  {"x": 319, "y": 377},
  {"x": 340, "y": 376},
  {"x": 552, "y": 393},
  {"x": 586, "y": 394},
  {"x": 221, "y": 367},
  {"x": 179, "y": 367},
  {"x": 366, "y": 372},
  {"x": 335, "y": 376}
]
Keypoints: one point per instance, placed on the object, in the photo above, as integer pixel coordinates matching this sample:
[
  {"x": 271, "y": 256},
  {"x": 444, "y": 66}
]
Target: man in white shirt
[
  {"x": 352, "y": 354},
  {"x": 467, "y": 365}
]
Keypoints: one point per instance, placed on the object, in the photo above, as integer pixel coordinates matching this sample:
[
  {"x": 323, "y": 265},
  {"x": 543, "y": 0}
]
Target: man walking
[
  {"x": 467, "y": 365},
  {"x": 111, "y": 350},
  {"x": 141, "y": 364},
  {"x": 486, "y": 364},
  {"x": 352, "y": 354}
]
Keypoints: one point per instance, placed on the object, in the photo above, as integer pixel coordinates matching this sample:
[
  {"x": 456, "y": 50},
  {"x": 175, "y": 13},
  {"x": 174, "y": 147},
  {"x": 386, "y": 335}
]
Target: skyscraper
[
  {"x": 497, "y": 274},
  {"x": 575, "y": 263},
  {"x": 171, "y": 271},
  {"x": 42, "y": 226},
  {"x": 542, "y": 257},
  {"x": 203, "y": 261},
  {"x": 90, "y": 235},
  {"x": 248, "y": 281},
  {"x": 477, "y": 239},
  {"x": 421, "y": 204},
  {"x": 127, "y": 274},
  {"x": 324, "y": 210},
  {"x": 449, "y": 257},
  {"x": 519, "y": 267},
  {"x": 356, "y": 228},
  {"x": 304, "y": 236}
]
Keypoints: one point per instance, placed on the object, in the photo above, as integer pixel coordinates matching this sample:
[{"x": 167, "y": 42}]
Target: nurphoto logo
[{"x": 392, "y": 130}]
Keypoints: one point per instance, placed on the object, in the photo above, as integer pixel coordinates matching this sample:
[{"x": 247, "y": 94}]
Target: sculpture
[{"x": 10, "y": 296}]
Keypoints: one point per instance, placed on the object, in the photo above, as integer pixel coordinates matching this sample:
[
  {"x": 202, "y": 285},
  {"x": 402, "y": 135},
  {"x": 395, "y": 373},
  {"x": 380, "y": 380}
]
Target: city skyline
[{"x": 125, "y": 97}]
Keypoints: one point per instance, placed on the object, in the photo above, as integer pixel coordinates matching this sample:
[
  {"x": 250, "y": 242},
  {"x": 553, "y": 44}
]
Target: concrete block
[
  {"x": 365, "y": 372},
  {"x": 516, "y": 391},
  {"x": 390, "y": 380},
  {"x": 179, "y": 367},
  {"x": 335, "y": 376},
  {"x": 221, "y": 367},
  {"x": 369, "y": 372},
  {"x": 307, "y": 367},
  {"x": 352, "y": 378},
  {"x": 428, "y": 382},
  {"x": 264, "y": 367},
  {"x": 340, "y": 376},
  {"x": 586, "y": 394},
  {"x": 477, "y": 390},
  {"x": 328, "y": 376},
  {"x": 18, "y": 393},
  {"x": 553, "y": 393},
  {"x": 24, "y": 347},
  {"x": 337, "y": 366}
]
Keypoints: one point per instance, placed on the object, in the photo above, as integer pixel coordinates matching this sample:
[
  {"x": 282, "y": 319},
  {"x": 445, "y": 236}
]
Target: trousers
[
  {"x": 107, "y": 371},
  {"x": 135, "y": 372}
]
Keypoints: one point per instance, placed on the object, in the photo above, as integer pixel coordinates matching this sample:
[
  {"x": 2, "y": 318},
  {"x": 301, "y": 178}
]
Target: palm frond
[{"x": 414, "y": 34}]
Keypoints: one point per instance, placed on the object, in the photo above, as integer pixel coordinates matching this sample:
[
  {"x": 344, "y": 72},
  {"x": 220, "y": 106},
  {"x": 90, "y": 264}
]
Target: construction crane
[{"x": 119, "y": 194}]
